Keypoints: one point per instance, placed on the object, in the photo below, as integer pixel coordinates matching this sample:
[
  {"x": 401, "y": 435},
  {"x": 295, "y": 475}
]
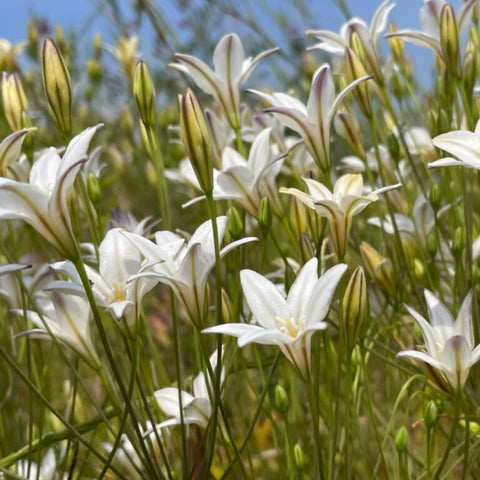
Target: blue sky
[{"x": 84, "y": 17}]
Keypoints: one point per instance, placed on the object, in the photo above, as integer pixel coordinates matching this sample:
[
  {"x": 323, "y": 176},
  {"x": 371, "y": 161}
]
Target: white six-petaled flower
[
  {"x": 449, "y": 344},
  {"x": 287, "y": 322}
]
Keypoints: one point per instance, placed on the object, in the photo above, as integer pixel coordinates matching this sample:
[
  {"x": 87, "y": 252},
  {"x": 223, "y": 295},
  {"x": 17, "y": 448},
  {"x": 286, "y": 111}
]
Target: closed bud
[
  {"x": 60, "y": 40},
  {"x": 355, "y": 71},
  {"x": 307, "y": 247},
  {"x": 151, "y": 174},
  {"x": 264, "y": 216},
  {"x": 235, "y": 224},
  {"x": 94, "y": 190},
  {"x": 299, "y": 456},
  {"x": 355, "y": 308},
  {"x": 94, "y": 70},
  {"x": 14, "y": 100},
  {"x": 432, "y": 245},
  {"x": 227, "y": 308},
  {"x": 393, "y": 146},
  {"x": 281, "y": 400},
  {"x": 435, "y": 197},
  {"x": 418, "y": 269},
  {"x": 458, "y": 241},
  {"x": 298, "y": 216},
  {"x": 430, "y": 414},
  {"x": 97, "y": 45},
  {"x": 32, "y": 36},
  {"x": 196, "y": 139},
  {"x": 58, "y": 88},
  {"x": 469, "y": 72},
  {"x": 449, "y": 39},
  {"x": 144, "y": 92},
  {"x": 396, "y": 46},
  {"x": 347, "y": 126},
  {"x": 401, "y": 440},
  {"x": 379, "y": 267}
]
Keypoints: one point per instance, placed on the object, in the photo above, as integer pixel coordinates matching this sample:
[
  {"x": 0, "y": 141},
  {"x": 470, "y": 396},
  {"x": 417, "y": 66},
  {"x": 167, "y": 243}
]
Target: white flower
[
  {"x": 463, "y": 144},
  {"x": 339, "y": 206},
  {"x": 231, "y": 70},
  {"x": 184, "y": 266},
  {"x": 119, "y": 259},
  {"x": 449, "y": 343},
  {"x": 312, "y": 121},
  {"x": 43, "y": 201},
  {"x": 287, "y": 322},
  {"x": 67, "y": 318},
  {"x": 197, "y": 408}
]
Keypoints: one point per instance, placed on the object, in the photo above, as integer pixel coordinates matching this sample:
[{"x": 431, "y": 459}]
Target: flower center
[
  {"x": 119, "y": 291},
  {"x": 291, "y": 326}
]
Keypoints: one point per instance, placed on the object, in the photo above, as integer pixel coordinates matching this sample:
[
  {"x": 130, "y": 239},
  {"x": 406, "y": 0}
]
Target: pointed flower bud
[
  {"x": 355, "y": 307},
  {"x": 355, "y": 71},
  {"x": 430, "y": 414},
  {"x": 469, "y": 71},
  {"x": 58, "y": 88},
  {"x": 144, "y": 92},
  {"x": 281, "y": 399},
  {"x": 264, "y": 216},
  {"x": 401, "y": 439},
  {"x": 396, "y": 46},
  {"x": 299, "y": 456},
  {"x": 450, "y": 39},
  {"x": 347, "y": 126},
  {"x": 14, "y": 100},
  {"x": 235, "y": 224},
  {"x": 196, "y": 139},
  {"x": 379, "y": 267}
]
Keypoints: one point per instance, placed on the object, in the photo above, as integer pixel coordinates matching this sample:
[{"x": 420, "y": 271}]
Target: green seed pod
[
  {"x": 58, "y": 88},
  {"x": 196, "y": 139},
  {"x": 144, "y": 92},
  {"x": 401, "y": 440}
]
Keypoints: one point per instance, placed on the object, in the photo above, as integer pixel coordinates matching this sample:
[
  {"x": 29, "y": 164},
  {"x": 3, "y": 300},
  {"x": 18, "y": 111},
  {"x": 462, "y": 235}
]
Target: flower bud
[
  {"x": 299, "y": 456},
  {"x": 32, "y": 36},
  {"x": 281, "y": 400},
  {"x": 355, "y": 308},
  {"x": 264, "y": 216},
  {"x": 235, "y": 224},
  {"x": 401, "y": 439},
  {"x": 58, "y": 88},
  {"x": 298, "y": 216},
  {"x": 97, "y": 45},
  {"x": 366, "y": 55},
  {"x": 227, "y": 308},
  {"x": 94, "y": 190},
  {"x": 469, "y": 72},
  {"x": 432, "y": 245},
  {"x": 346, "y": 125},
  {"x": 196, "y": 139},
  {"x": 355, "y": 71},
  {"x": 14, "y": 100},
  {"x": 144, "y": 92},
  {"x": 380, "y": 268},
  {"x": 396, "y": 46},
  {"x": 458, "y": 241},
  {"x": 449, "y": 39},
  {"x": 430, "y": 414},
  {"x": 393, "y": 146},
  {"x": 94, "y": 70},
  {"x": 435, "y": 197}
]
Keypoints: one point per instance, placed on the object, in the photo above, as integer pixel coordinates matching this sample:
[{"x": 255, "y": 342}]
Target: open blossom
[
  {"x": 287, "y": 322},
  {"x": 231, "y": 70},
  {"x": 119, "y": 259},
  {"x": 42, "y": 202},
  {"x": 197, "y": 408},
  {"x": 449, "y": 344},
  {"x": 463, "y": 144},
  {"x": 184, "y": 266},
  {"x": 67, "y": 318},
  {"x": 313, "y": 120},
  {"x": 339, "y": 206}
]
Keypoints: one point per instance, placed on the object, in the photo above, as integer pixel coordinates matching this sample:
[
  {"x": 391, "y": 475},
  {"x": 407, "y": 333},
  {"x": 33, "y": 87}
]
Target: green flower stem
[
  {"x": 157, "y": 159},
  {"x": 314, "y": 412},
  {"x": 71, "y": 429},
  {"x": 177, "y": 340},
  {"x": 80, "y": 267},
  {"x": 466, "y": 447},
  {"x": 256, "y": 416},
  {"x": 448, "y": 448}
]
